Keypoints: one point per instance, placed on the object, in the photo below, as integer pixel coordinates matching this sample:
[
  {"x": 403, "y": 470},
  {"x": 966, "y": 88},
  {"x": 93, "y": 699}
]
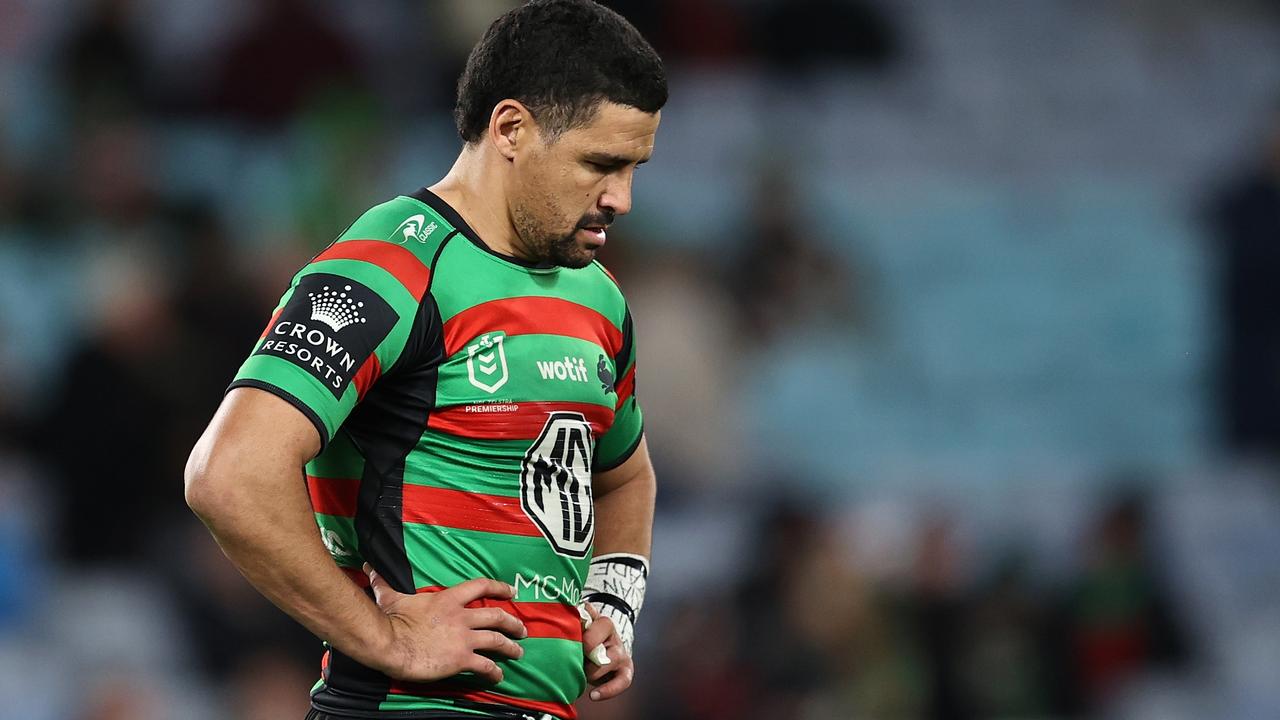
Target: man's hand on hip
[
  {"x": 611, "y": 679},
  {"x": 435, "y": 635}
]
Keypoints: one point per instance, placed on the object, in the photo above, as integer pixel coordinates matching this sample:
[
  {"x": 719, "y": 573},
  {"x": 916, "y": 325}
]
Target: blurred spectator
[
  {"x": 1007, "y": 656},
  {"x": 783, "y": 281},
  {"x": 701, "y": 664},
  {"x": 230, "y": 624},
  {"x": 688, "y": 367},
  {"x": 1246, "y": 222},
  {"x": 270, "y": 686},
  {"x": 106, "y": 434},
  {"x": 122, "y": 697},
  {"x": 1120, "y": 618},
  {"x": 112, "y": 178},
  {"x": 940, "y": 612},
  {"x": 812, "y": 34},
  {"x": 104, "y": 65},
  {"x": 283, "y": 60}
]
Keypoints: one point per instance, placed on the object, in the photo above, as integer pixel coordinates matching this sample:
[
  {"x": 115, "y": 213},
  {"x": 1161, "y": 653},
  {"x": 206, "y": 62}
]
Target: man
[{"x": 455, "y": 373}]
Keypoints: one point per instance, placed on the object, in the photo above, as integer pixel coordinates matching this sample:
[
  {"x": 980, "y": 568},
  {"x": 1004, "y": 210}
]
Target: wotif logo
[
  {"x": 414, "y": 227},
  {"x": 335, "y": 309},
  {"x": 570, "y": 368}
]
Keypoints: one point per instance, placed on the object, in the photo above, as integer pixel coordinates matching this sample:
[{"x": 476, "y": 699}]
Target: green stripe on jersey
[
  {"x": 533, "y": 373},
  {"x": 390, "y": 220},
  {"x": 295, "y": 381},
  {"x": 343, "y": 544},
  {"x": 444, "y": 557},
  {"x": 480, "y": 466},
  {"x": 463, "y": 262},
  {"x": 544, "y": 665}
]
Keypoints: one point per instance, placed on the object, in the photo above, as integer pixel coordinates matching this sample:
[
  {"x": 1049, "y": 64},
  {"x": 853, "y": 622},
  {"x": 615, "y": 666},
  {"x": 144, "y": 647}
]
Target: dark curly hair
[{"x": 560, "y": 58}]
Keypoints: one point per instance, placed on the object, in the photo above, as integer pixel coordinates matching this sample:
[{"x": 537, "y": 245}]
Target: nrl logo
[
  {"x": 487, "y": 363},
  {"x": 414, "y": 227}
]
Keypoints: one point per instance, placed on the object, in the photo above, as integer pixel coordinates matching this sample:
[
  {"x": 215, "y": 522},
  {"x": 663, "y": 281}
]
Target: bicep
[
  {"x": 255, "y": 434},
  {"x": 636, "y": 467}
]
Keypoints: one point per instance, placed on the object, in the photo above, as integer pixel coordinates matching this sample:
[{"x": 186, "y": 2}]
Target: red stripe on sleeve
[
  {"x": 512, "y": 421},
  {"x": 395, "y": 259},
  {"x": 466, "y": 511},
  {"x": 333, "y": 496},
  {"x": 531, "y": 315},
  {"x": 367, "y": 375}
]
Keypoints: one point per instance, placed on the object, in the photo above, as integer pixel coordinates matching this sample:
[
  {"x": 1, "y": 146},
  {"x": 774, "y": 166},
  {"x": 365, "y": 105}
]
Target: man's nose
[{"x": 617, "y": 194}]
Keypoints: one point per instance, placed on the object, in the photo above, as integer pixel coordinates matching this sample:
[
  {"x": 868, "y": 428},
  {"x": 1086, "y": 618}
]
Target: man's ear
[{"x": 511, "y": 127}]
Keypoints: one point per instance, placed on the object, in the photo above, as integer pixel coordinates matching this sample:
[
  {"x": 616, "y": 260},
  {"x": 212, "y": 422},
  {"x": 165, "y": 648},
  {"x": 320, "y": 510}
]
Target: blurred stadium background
[{"x": 958, "y": 343}]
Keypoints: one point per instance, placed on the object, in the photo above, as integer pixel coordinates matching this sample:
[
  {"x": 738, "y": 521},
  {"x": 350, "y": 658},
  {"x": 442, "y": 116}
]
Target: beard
[
  {"x": 552, "y": 248},
  {"x": 568, "y": 252}
]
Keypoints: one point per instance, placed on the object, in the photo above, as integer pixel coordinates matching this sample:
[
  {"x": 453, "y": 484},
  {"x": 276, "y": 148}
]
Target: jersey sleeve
[
  {"x": 623, "y": 437},
  {"x": 347, "y": 318}
]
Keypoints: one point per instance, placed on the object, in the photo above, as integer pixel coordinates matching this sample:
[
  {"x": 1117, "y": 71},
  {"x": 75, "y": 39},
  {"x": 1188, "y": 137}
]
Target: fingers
[
  {"x": 621, "y": 680},
  {"x": 598, "y": 633},
  {"x": 496, "y": 642},
  {"x": 383, "y": 594},
  {"x": 613, "y": 655},
  {"x": 484, "y": 667},
  {"x": 596, "y": 630},
  {"x": 481, "y": 588},
  {"x": 497, "y": 619}
]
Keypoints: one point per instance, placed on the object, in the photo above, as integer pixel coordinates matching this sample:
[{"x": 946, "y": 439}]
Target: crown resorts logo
[{"x": 335, "y": 309}]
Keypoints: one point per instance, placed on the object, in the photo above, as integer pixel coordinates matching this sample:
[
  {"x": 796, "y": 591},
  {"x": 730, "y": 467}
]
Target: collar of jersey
[{"x": 451, "y": 216}]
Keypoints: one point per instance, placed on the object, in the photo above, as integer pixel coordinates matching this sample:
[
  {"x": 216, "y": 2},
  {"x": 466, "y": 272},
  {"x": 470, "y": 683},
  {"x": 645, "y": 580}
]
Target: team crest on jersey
[
  {"x": 555, "y": 484},
  {"x": 487, "y": 362}
]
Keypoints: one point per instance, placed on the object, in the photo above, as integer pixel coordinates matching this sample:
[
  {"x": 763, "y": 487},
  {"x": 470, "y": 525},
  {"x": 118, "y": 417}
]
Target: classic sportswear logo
[
  {"x": 414, "y": 227},
  {"x": 487, "y": 362},
  {"x": 335, "y": 308},
  {"x": 570, "y": 368}
]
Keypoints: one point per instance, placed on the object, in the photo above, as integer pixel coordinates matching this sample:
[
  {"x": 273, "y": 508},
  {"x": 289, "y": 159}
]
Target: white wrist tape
[{"x": 615, "y": 588}]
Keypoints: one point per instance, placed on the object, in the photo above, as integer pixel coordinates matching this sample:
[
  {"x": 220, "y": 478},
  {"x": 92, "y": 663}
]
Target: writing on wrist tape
[{"x": 615, "y": 588}]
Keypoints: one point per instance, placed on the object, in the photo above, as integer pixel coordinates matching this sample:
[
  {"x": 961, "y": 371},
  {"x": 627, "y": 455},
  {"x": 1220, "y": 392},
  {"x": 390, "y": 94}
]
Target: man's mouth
[{"x": 595, "y": 233}]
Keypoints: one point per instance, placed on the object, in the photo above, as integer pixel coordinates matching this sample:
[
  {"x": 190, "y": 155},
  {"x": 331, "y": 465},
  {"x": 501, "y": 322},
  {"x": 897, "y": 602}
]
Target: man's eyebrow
[{"x": 611, "y": 160}]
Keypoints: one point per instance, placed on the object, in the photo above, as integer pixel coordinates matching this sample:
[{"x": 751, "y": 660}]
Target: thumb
[{"x": 383, "y": 594}]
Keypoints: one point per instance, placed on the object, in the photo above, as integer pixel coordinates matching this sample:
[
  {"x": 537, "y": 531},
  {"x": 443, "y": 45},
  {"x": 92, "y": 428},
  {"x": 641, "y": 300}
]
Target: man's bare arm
[
  {"x": 624, "y": 500},
  {"x": 245, "y": 480}
]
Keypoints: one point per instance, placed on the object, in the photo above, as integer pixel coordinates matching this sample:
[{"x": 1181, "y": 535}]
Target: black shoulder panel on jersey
[
  {"x": 628, "y": 343},
  {"x": 385, "y": 427}
]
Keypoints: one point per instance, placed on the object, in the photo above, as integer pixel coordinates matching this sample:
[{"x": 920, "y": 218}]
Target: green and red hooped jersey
[{"x": 463, "y": 399}]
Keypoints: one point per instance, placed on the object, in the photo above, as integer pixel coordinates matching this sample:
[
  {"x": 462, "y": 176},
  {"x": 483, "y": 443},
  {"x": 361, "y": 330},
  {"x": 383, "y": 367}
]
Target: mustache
[{"x": 600, "y": 219}]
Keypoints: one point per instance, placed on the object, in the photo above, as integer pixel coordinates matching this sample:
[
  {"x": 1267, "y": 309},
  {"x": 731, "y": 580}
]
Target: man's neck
[{"x": 474, "y": 188}]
